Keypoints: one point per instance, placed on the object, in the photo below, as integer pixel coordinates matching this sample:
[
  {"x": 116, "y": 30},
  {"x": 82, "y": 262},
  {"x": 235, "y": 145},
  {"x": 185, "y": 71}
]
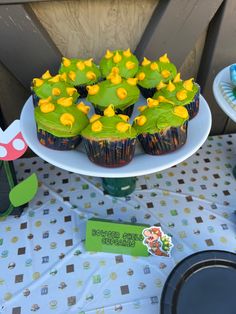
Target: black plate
[{"x": 203, "y": 283}]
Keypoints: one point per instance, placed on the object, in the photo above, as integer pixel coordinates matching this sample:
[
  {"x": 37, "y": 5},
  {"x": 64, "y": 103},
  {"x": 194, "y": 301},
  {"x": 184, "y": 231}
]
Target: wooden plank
[
  {"x": 23, "y": 1},
  {"x": 175, "y": 27},
  {"x": 26, "y": 49},
  {"x": 219, "y": 52}
]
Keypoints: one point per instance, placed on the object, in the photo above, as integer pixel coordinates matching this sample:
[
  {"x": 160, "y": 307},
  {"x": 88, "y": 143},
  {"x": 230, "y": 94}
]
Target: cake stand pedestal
[{"x": 77, "y": 161}]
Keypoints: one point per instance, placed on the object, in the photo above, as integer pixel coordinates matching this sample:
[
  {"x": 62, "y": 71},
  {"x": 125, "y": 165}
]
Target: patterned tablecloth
[{"x": 44, "y": 267}]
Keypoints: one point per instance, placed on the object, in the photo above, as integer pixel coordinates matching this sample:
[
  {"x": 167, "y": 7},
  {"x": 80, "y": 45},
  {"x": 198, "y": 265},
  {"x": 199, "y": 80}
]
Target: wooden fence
[{"x": 198, "y": 35}]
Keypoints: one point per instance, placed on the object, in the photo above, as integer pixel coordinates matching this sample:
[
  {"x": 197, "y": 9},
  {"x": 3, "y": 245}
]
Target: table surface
[{"x": 45, "y": 268}]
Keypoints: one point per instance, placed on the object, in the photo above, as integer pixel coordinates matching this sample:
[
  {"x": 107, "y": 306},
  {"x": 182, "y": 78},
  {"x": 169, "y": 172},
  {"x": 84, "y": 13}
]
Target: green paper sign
[{"x": 114, "y": 237}]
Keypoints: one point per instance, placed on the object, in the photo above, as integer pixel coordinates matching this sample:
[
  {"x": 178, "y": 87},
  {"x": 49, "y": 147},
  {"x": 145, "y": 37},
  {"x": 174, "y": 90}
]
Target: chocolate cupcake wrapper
[
  {"x": 128, "y": 111},
  {"x": 193, "y": 107},
  {"x": 147, "y": 92},
  {"x": 82, "y": 91},
  {"x": 163, "y": 143},
  {"x": 35, "y": 99},
  {"x": 58, "y": 143},
  {"x": 110, "y": 153}
]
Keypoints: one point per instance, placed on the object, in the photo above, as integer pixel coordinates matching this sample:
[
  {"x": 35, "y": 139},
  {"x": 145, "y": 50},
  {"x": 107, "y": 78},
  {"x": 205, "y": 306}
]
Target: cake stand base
[{"x": 119, "y": 187}]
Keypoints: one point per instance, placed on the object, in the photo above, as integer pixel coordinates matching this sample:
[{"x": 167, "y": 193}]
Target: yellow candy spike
[
  {"x": 56, "y": 91},
  {"x": 47, "y": 107},
  {"x": 93, "y": 89},
  {"x": 130, "y": 65},
  {"x": 91, "y": 75},
  {"x": 37, "y": 82},
  {"x": 152, "y": 102},
  {"x": 127, "y": 53},
  {"x": 177, "y": 78},
  {"x": 65, "y": 102},
  {"x": 170, "y": 87},
  {"x": 121, "y": 93},
  {"x": 163, "y": 99},
  {"x": 140, "y": 120},
  {"x": 46, "y": 75},
  {"x": 181, "y": 95},
  {"x": 71, "y": 90},
  {"x": 145, "y": 62},
  {"x": 109, "y": 111},
  {"x": 108, "y": 54},
  {"x": 154, "y": 66},
  {"x": 132, "y": 81},
  {"x": 66, "y": 62},
  {"x": 123, "y": 127},
  {"x": 117, "y": 57},
  {"x": 164, "y": 59},
  {"x": 142, "y": 108},
  {"x": 124, "y": 117},
  {"x": 80, "y": 65},
  {"x": 45, "y": 100},
  {"x": 115, "y": 70},
  {"x": 94, "y": 118},
  {"x": 67, "y": 119},
  {"x": 72, "y": 75},
  {"x": 89, "y": 62},
  {"x": 161, "y": 85},
  {"x": 96, "y": 126},
  {"x": 188, "y": 84},
  {"x": 141, "y": 76},
  {"x": 83, "y": 108},
  {"x": 181, "y": 112},
  {"x": 165, "y": 73},
  {"x": 116, "y": 79},
  {"x": 55, "y": 79},
  {"x": 63, "y": 77}
]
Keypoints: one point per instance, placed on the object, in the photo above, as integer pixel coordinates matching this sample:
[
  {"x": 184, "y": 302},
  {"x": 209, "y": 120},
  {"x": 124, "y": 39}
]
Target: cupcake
[
  {"x": 123, "y": 60},
  {"x": 80, "y": 73},
  {"x": 59, "y": 124},
  {"x": 152, "y": 73},
  {"x": 109, "y": 140},
  {"x": 51, "y": 88},
  {"x": 120, "y": 92},
  {"x": 182, "y": 93},
  {"x": 161, "y": 127}
]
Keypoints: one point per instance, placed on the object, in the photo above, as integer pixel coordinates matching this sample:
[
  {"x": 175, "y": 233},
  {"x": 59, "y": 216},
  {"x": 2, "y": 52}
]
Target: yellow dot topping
[
  {"x": 94, "y": 118},
  {"x": 114, "y": 71},
  {"x": 70, "y": 91},
  {"x": 142, "y": 108},
  {"x": 152, "y": 102},
  {"x": 117, "y": 57},
  {"x": 177, "y": 78},
  {"x": 165, "y": 73},
  {"x": 188, "y": 84},
  {"x": 65, "y": 102},
  {"x": 127, "y": 53},
  {"x": 116, "y": 79},
  {"x": 109, "y": 111},
  {"x": 83, "y": 108},
  {"x": 66, "y": 62},
  {"x": 47, "y": 107},
  {"x": 181, "y": 112},
  {"x": 170, "y": 87},
  {"x": 37, "y": 82},
  {"x": 55, "y": 79},
  {"x": 67, "y": 119},
  {"x": 132, "y": 81},
  {"x": 92, "y": 89},
  {"x": 63, "y": 77},
  {"x": 141, "y": 76},
  {"x": 163, "y": 99},
  {"x": 145, "y": 62},
  {"x": 91, "y": 75},
  {"x": 80, "y": 65},
  {"x": 124, "y": 117},
  {"x": 181, "y": 95},
  {"x": 56, "y": 91},
  {"x": 130, "y": 65},
  {"x": 44, "y": 101},
  {"x": 89, "y": 62},
  {"x": 108, "y": 54},
  {"x": 72, "y": 75},
  {"x": 154, "y": 66},
  {"x": 97, "y": 126},
  {"x": 123, "y": 127},
  {"x": 121, "y": 93},
  {"x": 46, "y": 75},
  {"x": 140, "y": 120},
  {"x": 164, "y": 59},
  {"x": 161, "y": 85}
]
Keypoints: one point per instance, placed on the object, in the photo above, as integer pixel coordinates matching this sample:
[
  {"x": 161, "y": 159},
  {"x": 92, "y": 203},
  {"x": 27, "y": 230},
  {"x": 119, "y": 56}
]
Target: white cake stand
[{"x": 77, "y": 161}]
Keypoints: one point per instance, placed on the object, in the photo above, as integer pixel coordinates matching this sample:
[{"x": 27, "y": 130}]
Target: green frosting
[
  {"x": 106, "y": 65},
  {"x": 80, "y": 75},
  {"x": 152, "y": 77},
  {"x": 109, "y": 130},
  {"x": 159, "y": 119},
  {"x": 169, "y": 67},
  {"x": 107, "y": 95},
  {"x": 172, "y": 95},
  {"x": 45, "y": 90},
  {"x": 50, "y": 122}
]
